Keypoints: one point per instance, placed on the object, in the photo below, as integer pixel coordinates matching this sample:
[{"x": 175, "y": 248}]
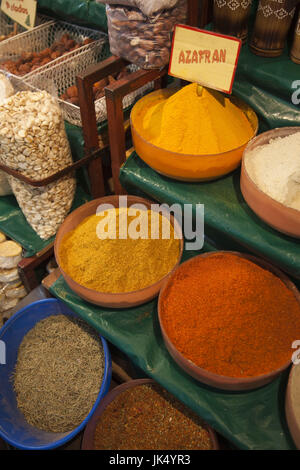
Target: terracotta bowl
[
  {"x": 122, "y": 300},
  {"x": 292, "y": 404},
  {"x": 179, "y": 166},
  {"x": 88, "y": 437},
  {"x": 210, "y": 378},
  {"x": 281, "y": 218}
]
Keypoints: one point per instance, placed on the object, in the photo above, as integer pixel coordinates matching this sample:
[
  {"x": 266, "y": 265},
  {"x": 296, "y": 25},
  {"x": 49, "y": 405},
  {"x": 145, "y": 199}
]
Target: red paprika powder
[{"x": 230, "y": 316}]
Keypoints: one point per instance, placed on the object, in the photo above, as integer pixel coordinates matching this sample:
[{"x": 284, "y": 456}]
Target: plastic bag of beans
[{"x": 140, "y": 39}]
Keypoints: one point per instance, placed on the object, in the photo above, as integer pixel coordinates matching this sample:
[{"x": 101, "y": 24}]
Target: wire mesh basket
[
  {"x": 7, "y": 24},
  {"x": 56, "y": 79},
  {"x": 42, "y": 37}
]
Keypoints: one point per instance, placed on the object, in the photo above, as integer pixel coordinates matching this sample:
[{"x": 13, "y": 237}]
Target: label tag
[
  {"x": 21, "y": 11},
  {"x": 207, "y": 58}
]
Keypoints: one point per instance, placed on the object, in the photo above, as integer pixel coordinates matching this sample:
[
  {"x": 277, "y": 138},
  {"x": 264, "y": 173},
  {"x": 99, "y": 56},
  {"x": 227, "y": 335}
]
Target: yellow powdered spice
[
  {"x": 197, "y": 125},
  {"x": 116, "y": 265}
]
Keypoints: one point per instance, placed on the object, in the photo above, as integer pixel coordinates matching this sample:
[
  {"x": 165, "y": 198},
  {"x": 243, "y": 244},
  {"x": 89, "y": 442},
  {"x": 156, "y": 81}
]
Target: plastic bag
[
  {"x": 143, "y": 41},
  {"x": 33, "y": 141},
  {"x": 148, "y": 8}
]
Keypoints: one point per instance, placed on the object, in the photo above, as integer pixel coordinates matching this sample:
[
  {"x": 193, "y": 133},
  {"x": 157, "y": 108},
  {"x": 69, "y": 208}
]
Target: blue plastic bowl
[{"x": 14, "y": 429}]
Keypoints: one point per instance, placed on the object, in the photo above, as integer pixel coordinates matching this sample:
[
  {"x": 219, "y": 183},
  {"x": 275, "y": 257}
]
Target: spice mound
[
  {"x": 97, "y": 257},
  {"x": 196, "y": 125},
  {"x": 275, "y": 168},
  {"x": 230, "y": 316},
  {"x": 58, "y": 373},
  {"x": 147, "y": 417}
]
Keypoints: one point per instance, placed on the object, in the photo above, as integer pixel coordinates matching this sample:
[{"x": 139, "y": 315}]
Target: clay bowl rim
[
  {"x": 122, "y": 296},
  {"x": 192, "y": 155},
  {"x": 248, "y": 178},
  {"x": 292, "y": 423},
  {"x": 218, "y": 380},
  {"x": 89, "y": 432}
]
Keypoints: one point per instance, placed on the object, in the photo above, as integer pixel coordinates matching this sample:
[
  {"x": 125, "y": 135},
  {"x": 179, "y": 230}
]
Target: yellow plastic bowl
[{"x": 181, "y": 166}]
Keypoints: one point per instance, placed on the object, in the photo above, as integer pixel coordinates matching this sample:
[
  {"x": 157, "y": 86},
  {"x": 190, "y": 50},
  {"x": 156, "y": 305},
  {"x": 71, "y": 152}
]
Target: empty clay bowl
[
  {"x": 89, "y": 433},
  {"x": 121, "y": 300},
  {"x": 181, "y": 166},
  {"x": 210, "y": 378},
  {"x": 278, "y": 216}
]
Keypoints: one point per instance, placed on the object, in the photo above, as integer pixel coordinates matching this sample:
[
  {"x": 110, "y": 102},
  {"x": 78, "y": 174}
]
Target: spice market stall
[
  {"x": 231, "y": 373},
  {"x": 231, "y": 224}
]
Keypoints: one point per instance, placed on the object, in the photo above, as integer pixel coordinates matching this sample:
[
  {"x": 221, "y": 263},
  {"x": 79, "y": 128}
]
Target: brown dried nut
[
  {"x": 88, "y": 41},
  {"x": 148, "y": 34},
  {"x": 61, "y": 49},
  {"x": 141, "y": 52},
  {"x": 24, "y": 68},
  {"x": 26, "y": 56},
  {"x": 168, "y": 25},
  {"x": 159, "y": 28},
  {"x": 158, "y": 62},
  {"x": 18, "y": 62},
  {"x": 45, "y": 53},
  {"x": 72, "y": 91},
  {"x": 133, "y": 54},
  {"x": 36, "y": 61},
  {"x": 55, "y": 46},
  {"x": 147, "y": 45},
  {"x": 75, "y": 47},
  {"x": 69, "y": 44},
  {"x": 45, "y": 61},
  {"x": 160, "y": 40},
  {"x": 65, "y": 37},
  {"x": 118, "y": 24},
  {"x": 34, "y": 67},
  {"x": 55, "y": 55},
  {"x": 133, "y": 15}
]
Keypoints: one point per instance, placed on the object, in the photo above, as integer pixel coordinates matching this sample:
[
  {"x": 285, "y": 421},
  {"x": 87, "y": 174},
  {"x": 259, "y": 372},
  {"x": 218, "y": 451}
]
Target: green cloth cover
[{"x": 85, "y": 12}]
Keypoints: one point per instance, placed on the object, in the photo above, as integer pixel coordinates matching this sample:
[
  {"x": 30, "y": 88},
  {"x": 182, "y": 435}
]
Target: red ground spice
[
  {"x": 230, "y": 316},
  {"x": 147, "y": 417}
]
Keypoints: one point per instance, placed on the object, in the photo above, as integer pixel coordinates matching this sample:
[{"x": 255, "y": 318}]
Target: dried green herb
[{"x": 58, "y": 373}]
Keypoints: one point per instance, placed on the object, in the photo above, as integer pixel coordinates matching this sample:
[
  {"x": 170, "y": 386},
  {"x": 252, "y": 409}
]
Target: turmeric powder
[
  {"x": 196, "y": 125},
  {"x": 106, "y": 262}
]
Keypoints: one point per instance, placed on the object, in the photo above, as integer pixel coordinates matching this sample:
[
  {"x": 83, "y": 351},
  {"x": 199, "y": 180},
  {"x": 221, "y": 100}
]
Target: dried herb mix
[
  {"x": 58, "y": 373},
  {"x": 147, "y": 417}
]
